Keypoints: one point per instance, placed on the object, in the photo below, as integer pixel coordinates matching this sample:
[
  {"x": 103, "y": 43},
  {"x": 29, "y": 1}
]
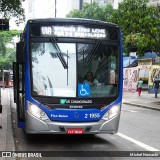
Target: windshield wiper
[
  {"x": 92, "y": 53},
  {"x": 59, "y": 53}
]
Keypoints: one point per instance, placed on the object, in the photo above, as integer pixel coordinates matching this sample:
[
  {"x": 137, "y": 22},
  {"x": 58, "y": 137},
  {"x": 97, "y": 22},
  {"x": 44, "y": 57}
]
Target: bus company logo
[
  {"x": 76, "y": 115},
  {"x": 63, "y": 101}
]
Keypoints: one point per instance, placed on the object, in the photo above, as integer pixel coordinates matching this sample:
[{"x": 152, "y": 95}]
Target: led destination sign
[{"x": 74, "y": 31}]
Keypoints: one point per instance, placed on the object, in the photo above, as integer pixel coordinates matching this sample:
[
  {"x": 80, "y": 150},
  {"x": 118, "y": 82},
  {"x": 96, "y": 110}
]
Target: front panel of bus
[{"x": 72, "y": 78}]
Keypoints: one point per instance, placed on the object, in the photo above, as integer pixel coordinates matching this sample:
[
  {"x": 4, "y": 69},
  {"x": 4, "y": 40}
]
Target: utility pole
[
  {"x": 0, "y": 102},
  {"x": 80, "y": 4},
  {"x": 3, "y": 76},
  {"x": 158, "y": 5},
  {"x": 55, "y": 8},
  {"x": 0, "y": 108}
]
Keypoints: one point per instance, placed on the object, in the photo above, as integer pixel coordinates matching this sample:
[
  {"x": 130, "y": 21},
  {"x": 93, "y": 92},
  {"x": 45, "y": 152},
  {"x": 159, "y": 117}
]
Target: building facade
[
  {"x": 73, "y": 4},
  {"x": 35, "y": 9},
  {"x": 151, "y": 2},
  {"x": 50, "y": 8},
  {"x": 115, "y": 3},
  {"x": 102, "y": 3},
  {"x": 154, "y": 2}
]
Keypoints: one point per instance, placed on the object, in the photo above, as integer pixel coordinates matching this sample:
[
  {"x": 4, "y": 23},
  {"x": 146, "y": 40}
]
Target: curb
[
  {"x": 143, "y": 106},
  {"x": 7, "y": 132}
]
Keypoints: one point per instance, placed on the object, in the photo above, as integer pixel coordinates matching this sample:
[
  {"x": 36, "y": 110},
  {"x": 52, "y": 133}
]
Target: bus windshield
[{"x": 50, "y": 78}]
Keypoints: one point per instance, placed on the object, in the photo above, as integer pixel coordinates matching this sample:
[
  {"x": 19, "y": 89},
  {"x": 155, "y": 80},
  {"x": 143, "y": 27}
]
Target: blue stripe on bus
[
  {"x": 21, "y": 124},
  {"x": 70, "y": 115}
]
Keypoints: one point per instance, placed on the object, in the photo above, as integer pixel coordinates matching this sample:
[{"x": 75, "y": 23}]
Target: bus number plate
[{"x": 75, "y": 131}]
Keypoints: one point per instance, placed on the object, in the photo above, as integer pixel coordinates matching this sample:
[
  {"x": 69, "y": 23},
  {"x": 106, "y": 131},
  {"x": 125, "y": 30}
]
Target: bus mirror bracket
[
  {"x": 18, "y": 78},
  {"x": 20, "y": 53},
  {"x": 15, "y": 80}
]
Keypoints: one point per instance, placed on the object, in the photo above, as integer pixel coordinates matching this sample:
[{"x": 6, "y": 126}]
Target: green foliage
[
  {"x": 140, "y": 24},
  {"x": 7, "y": 36},
  {"x": 2, "y": 47},
  {"x": 7, "y": 47},
  {"x": 12, "y": 8},
  {"x": 92, "y": 11}
]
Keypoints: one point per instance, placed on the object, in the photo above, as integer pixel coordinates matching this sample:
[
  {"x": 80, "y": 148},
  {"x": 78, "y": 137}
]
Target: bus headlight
[
  {"x": 37, "y": 112},
  {"x": 112, "y": 112}
]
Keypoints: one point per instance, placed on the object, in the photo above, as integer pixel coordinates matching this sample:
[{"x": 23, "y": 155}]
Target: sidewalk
[
  {"x": 6, "y": 134},
  {"x": 146, "y": 100}
]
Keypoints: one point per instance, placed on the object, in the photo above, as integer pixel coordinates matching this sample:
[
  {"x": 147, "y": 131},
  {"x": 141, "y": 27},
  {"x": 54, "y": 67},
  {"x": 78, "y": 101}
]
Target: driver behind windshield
[{"x": 89, "y": 79}]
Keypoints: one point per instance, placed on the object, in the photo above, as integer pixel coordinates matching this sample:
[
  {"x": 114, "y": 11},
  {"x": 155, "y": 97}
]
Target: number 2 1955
[{"x": 92, "y": 115}]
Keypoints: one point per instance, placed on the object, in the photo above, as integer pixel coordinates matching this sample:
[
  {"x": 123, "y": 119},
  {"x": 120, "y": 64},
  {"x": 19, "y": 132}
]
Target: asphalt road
[{"x": 138, "y": 131}]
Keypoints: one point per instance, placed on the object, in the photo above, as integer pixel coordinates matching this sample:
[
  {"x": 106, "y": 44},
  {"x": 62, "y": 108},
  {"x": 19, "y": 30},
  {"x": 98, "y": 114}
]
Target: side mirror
[
  {"x": 0, "y": 108},
  {"x": 0, "y": 102},
  {"x": 15, "y": 80}
]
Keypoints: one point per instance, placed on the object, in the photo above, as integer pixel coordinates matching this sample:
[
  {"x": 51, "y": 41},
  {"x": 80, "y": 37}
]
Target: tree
[
  {"x": 92, "y": 11},
  {"x": 140, "y": 25},
  {"x": 12, "y": 8},
  {"x": 7, "y": 48}
]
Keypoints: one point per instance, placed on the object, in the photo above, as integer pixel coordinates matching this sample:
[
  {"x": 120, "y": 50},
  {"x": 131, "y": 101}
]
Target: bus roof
[{"x": 73, "y": 20}]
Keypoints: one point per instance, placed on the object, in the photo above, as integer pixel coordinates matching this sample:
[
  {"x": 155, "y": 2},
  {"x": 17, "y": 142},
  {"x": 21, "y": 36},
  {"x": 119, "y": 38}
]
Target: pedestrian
[
  {"x": 139, "y": 86},
  {"x": 156, "y": 85}
]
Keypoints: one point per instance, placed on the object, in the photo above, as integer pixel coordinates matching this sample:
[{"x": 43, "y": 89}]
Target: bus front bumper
[{"x": 37, "y": 126}]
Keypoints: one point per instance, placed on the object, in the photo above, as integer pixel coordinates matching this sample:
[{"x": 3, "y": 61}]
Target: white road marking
[
  {"x": 145, "y": 146},
  {"x": 133, "y": 111}
]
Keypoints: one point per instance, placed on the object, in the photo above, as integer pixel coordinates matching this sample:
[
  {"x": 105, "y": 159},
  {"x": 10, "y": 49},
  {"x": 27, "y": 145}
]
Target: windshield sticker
[
  {"x": 63, "y": 101},
  {"x": 83, "y": 90}
]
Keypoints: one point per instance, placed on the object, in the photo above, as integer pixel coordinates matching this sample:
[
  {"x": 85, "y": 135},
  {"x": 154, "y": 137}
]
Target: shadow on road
[{"x": 65, "y": 139}]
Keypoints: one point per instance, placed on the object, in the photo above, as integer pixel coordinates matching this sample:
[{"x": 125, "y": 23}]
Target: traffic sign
[{"x": 4, "y": 24}]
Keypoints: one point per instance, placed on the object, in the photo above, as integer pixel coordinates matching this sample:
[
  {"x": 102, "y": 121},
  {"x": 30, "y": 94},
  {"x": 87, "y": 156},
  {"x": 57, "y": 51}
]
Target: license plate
[{"x": 75, "y": 131}]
